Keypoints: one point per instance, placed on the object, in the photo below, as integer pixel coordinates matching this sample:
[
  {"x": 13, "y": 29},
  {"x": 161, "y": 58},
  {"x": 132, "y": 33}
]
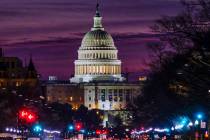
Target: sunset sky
[{"x": 52, "y": 30}]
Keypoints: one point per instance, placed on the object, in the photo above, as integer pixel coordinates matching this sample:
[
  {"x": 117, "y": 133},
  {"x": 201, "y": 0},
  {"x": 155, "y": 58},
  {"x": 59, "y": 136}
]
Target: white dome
[{"x": 97, "y": 40}]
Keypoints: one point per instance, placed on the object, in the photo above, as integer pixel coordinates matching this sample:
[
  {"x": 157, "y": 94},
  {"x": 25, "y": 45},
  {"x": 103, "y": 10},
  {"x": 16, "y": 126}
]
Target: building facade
[
  {"x": 14, "y": 76},
  {"x": 64, "y": 92},
  {"x": 110, "y": 96},
  {"x": 97, "y": 95}
]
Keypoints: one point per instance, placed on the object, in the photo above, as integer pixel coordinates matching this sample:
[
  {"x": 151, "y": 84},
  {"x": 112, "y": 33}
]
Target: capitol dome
[
  {"x": 98, "y": 39},
  {"x": 97, "y": 56}
]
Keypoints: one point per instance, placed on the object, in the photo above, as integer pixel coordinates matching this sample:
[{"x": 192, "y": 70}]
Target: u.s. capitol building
[{"x": 97, "y": 75}]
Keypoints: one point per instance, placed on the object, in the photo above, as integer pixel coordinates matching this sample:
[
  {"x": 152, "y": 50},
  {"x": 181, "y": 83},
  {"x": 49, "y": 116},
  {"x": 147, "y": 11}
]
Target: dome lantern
[{"x": 97, "y": 20}]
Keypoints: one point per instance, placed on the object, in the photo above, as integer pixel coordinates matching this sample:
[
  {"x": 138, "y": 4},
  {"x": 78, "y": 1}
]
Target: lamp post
[{"x": 200, "y": 125}]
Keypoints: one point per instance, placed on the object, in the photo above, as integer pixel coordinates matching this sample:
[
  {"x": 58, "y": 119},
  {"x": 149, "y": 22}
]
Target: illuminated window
[
  {"x": 71, "y": 98},
  {"x": 142, "y": 78},
  {"x": 18, "y": 84},
  {"x": 48, "y": 98},
  {"x": 103, "y": 95},
  {"x": 89, "y": 105}
]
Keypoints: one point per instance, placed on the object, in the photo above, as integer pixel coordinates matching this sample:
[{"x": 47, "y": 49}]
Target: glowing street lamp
[
  {"x": 37, "y": 128},
  {"x": 199, "y": 116},
  {"x": 196, "y": 122},
  {"x": 70, "y": 127}
]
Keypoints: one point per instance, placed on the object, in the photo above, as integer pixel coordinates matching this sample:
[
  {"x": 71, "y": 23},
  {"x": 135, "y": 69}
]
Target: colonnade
[
  {"x": 97, "y": 56},
  {"x": 97, "y": 69}
]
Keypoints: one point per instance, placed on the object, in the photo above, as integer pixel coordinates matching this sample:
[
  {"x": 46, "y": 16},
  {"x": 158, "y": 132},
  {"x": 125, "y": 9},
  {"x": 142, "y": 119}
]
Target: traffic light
[
  {"x": 23, "y": 114},
  {"x": 78, "y": 126},
  {"x": 31, "y": 118},
  {"x": 101, "y": 132},
  {"x": 27, "y": 116},
  {"x": 37, "y": 128},
  {"x": 98, "y": 132}
]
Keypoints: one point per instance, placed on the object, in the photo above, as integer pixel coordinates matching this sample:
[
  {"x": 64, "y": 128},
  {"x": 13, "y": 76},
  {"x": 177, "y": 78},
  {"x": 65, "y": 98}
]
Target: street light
[
  {"x": 196, "y": 122},
  {"x": 199, "y": 116},
  {"x": 37, "y": 128},
  {"x": 70, "y": 127}
]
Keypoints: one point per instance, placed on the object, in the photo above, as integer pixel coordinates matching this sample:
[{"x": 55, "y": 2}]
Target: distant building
[
  {"x": 14, "y": 76},
  {"x": 64, "y": 92}
]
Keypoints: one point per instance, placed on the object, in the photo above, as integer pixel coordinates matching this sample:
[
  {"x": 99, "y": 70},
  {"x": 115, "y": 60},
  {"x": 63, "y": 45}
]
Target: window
[
  {"x": 12, "y": 65},
  {"x": 120, "y": 97},
  {"x": 18, "y": 84},
  {"x": 110, "y": 97},
  {"x": 110, "y": 90},
  {"x": 103, "y": 95},
  {"x": 115, "y": 95},
  {"x": 127, "y": 90},
  {"x": 103, "y": 106},
  {"x": 115, "y": 90},
  {"x": 127, "y": 96},
  {"x": 89, "y": 98},
  {"x": 89, "y": 105},
  {"x": 48, "y": 98}
]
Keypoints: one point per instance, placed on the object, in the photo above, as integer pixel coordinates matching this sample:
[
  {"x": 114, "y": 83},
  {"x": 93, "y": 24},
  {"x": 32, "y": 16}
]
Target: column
[
  {"x": 85, "y": 69},
  {"x": 106, "y": 69},
  {"x": 114, "y": 70},
  {"x": 110, "y": 69},
  {"x": 97, "y": 69},
  {"x": 75, "y": 70}
]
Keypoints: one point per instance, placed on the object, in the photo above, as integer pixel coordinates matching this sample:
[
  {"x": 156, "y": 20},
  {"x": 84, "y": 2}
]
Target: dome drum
[{"x": 97, "y": 54}]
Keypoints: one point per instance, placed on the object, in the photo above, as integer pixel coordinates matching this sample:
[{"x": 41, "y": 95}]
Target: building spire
[
  {"x": 97, "y": 9},
  {"x": 97, "y": 19},
  {"x": 32, "y": 73},
  {"x": 31, "y": 66}
]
